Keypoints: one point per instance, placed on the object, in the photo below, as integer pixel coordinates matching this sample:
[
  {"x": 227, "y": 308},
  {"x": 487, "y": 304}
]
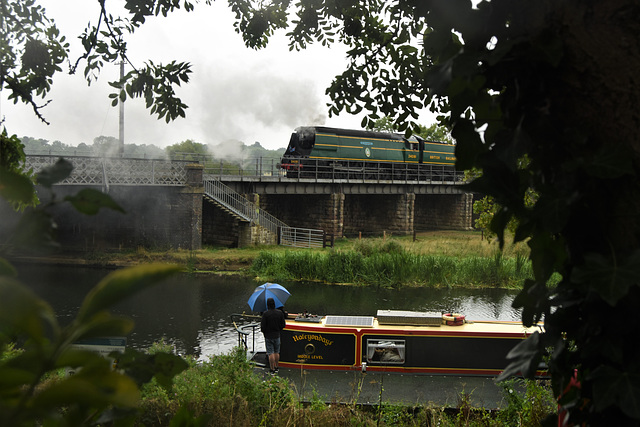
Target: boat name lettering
[
  {"x": 310, "y": 356},
  {"x": 309, "y": 337}
]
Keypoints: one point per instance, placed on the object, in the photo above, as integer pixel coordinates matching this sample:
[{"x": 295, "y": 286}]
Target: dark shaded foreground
[{"x": 373, "y": 388}]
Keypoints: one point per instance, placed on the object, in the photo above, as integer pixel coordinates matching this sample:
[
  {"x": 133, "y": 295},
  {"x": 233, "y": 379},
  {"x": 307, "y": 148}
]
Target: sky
[{"x": 234, "y": 93}]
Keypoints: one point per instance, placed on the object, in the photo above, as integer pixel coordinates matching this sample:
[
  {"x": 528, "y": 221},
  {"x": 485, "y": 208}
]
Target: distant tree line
[{"x": 187, "y": 149}]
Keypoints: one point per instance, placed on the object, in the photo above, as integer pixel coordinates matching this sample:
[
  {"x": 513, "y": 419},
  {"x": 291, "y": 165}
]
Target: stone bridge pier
[{"x": 341, "y": 214}]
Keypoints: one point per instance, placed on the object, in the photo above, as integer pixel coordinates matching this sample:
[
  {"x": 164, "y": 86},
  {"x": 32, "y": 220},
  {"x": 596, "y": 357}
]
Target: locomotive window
[
  {"x": 385, "y": 352},
  {"x": 411, "y": 144}
]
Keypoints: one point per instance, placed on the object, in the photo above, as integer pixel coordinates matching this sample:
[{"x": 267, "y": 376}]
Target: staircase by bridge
[{"x": 238, "y": 206}]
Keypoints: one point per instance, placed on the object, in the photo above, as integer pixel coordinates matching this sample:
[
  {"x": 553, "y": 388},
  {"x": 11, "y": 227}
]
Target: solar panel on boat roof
[{"x": 362, "y": 321}]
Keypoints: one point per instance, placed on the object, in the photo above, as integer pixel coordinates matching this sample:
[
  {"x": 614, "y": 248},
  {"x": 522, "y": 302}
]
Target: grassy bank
[
  {"x": 226, "y": 391},
  {"x": 432, "y": 259}
]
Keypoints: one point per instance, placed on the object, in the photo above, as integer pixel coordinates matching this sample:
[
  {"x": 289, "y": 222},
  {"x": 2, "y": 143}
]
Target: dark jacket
[{"x": 272, "y": 323}]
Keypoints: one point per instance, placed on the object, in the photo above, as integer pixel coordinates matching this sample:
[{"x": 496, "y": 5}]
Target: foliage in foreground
[
  {"x": 225, "y": 390},
  {"x": 30, "y": 389},
  {"x": 392, "y": 266}
]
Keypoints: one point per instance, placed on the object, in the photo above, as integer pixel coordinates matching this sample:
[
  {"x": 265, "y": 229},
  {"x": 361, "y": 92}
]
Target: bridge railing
[
  {"x": 139, "y": 171},
  {"x": 105, "y": 171},
  {"x": 345, "y": 171}
]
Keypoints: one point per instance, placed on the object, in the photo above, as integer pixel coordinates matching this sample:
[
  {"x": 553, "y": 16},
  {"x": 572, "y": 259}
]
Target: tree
[
  {"x": 189, "y": 146},
  {"x": 436, "y": 133},
  {"x": 540, "y": 79},
  {"x": 108, "y": 146},
  {"x": 34, "y": 50},
  {"x": 384, "y": 124}
]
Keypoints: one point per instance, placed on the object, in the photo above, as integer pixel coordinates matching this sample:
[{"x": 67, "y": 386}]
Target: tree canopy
[
  {"x": 34, "y": 50},
  {"x": 510, "y": 79},
  {"x": 540, "y": 79}
]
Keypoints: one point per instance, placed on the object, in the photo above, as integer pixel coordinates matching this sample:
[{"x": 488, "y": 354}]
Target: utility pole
[{"x": 121, "y": 122}]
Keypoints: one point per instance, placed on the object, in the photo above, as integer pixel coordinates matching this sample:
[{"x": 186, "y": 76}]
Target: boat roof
[{"x": 364, "y": 323}]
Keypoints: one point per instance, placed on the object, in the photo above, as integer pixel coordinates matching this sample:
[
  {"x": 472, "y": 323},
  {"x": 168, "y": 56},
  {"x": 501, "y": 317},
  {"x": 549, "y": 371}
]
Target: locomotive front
[{"x": 300, "y": 145}]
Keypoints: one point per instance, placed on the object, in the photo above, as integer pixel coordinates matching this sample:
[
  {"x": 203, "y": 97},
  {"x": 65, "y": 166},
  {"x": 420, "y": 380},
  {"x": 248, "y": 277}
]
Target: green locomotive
[{"x": 323, "y": 152}]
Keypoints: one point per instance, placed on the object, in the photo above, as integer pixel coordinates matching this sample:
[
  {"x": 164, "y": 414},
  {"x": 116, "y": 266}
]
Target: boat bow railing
[{"x": 246, "y": 331}]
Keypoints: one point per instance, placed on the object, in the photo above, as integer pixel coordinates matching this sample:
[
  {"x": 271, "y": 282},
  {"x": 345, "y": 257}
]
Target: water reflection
[{"x": 193, "y": 311}]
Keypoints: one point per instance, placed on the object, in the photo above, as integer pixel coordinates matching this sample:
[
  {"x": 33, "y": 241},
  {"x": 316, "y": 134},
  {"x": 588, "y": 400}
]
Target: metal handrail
[
  {"x": 243, "y": 332},
  {"x": 241, "y": 206},
  {"x": 302, "y": 237}
]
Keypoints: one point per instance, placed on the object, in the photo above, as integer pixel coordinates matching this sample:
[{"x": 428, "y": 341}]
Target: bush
[{"x": 224, "y": 388}]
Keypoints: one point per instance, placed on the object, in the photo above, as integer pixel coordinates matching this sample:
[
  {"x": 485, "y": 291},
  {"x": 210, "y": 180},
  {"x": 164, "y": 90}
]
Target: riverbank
[{"x": 238, "y": 261}]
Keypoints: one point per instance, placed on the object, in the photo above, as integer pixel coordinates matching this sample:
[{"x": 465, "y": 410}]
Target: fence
[{"x": 303, "y": 238}]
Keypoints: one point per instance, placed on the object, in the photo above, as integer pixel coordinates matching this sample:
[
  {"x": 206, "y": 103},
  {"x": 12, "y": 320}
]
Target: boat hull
[{"x": 468, "y": 349}]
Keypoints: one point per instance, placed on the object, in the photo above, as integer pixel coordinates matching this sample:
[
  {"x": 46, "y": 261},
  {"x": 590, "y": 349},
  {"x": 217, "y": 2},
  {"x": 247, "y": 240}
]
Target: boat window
[{"x": 385, "y": 352}]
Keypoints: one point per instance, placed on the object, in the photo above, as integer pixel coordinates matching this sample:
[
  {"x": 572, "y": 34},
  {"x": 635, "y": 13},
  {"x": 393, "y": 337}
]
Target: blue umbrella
[{"x": 258, "y": 300}]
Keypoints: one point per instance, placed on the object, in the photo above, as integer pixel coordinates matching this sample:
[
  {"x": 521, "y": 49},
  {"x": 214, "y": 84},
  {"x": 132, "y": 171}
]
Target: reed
[{"x": 368, "y": 265}]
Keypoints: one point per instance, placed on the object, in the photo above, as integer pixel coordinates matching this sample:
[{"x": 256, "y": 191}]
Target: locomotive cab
[
  {"x": 300, "y": 146},
  {"x": 301, "y": 142}
]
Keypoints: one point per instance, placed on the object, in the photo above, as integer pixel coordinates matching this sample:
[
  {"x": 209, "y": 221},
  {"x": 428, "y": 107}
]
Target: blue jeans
[{"x": 272, "y": 344}]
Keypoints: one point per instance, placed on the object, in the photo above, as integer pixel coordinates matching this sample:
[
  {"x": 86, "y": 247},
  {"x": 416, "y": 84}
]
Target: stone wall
[
  {"x": 156, "y": 217},
  {"x": 318, "y": 211},
  {"x": 378, "y": 214},
  {"x": 443, "y": 211},
  {"x": 219, "y": 228}
]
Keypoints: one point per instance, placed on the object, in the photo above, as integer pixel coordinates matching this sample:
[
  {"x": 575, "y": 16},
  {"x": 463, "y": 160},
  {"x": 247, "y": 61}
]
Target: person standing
[{"x": 271, "y": 325}]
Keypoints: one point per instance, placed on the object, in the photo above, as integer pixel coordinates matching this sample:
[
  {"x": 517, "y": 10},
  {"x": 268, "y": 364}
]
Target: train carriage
[{"x": 323, "y": 152}]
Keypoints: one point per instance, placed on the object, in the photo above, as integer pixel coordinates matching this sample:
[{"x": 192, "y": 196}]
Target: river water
[{"x": 192, "y": 312}]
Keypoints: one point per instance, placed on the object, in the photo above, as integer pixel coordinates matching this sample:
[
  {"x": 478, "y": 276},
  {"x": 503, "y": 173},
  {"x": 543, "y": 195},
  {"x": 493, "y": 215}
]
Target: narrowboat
[{"x": 401, "y": 342}]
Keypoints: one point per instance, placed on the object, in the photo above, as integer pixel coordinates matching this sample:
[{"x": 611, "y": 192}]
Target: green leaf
[
  {"x": 525, "y": 357},
  {"x": 103, "y": 324},
  {"x": 54, "y": 174},
  {"x": 161, "y": 366},
  {"x": 6, "y": 269},
  {"x": 610, "y": 280},
  {"x": 35, "y": 230},
  {"x": 610, "y": 161},
  {"x": 185, "y": 418},
  {"x": 90, "y": 388},
  {"x": 13, "y": 377},
  {"x": 23, "y": 312},
  {"x": 89, "y": 201},
  {"x": 612, "y": 387},
  {"x": 73, "y": 357},
  {"x": 122, "y": 284},
  {"x": 469, "y": 145},
  {"x": 15, "y": 187}
]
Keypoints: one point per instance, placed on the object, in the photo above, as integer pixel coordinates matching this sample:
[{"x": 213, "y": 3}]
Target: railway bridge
[{"x": 194, "y": 202}]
